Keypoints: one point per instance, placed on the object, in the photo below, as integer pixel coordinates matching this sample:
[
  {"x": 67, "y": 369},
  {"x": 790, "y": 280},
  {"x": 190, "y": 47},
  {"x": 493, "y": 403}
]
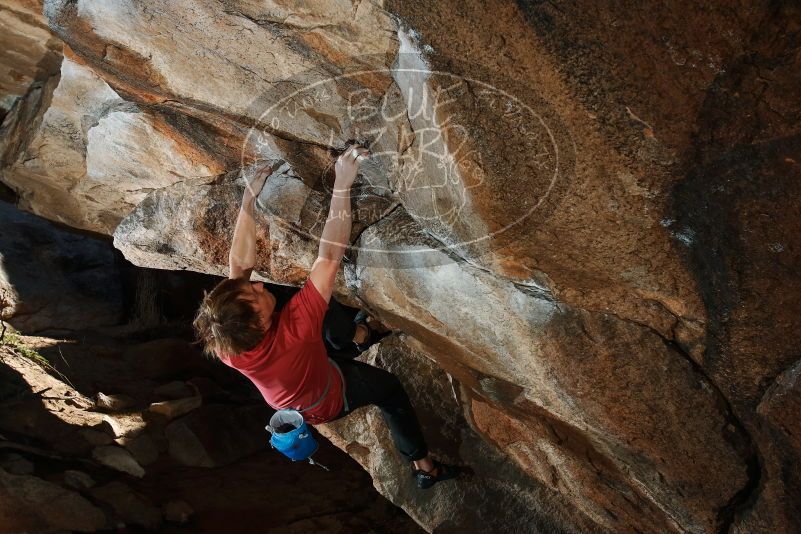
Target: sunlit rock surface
[
  {"x": 87, "y": 157},
  {"x": 29, "y": 51},
  {"x": 587, "y": 216}
]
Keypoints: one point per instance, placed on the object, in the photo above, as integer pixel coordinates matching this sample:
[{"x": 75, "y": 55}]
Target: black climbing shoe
[
  {"x": 444, "y": 472},
  {"x": 373, "y": 335}
]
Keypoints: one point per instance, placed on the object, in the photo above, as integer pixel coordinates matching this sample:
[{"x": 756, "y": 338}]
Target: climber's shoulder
[{"x": 323, "y": 275}]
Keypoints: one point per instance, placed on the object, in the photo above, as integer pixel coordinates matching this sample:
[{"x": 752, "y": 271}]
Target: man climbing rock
[{"x": 301, "y": 355}]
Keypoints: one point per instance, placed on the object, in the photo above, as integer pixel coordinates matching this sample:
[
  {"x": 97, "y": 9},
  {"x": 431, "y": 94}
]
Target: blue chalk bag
[{"x": 297, "y": 444}]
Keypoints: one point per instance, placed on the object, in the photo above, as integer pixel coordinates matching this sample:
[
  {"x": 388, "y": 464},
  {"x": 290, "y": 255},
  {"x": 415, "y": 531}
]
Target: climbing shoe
[
  {"x": 373, "y": 336},
  {"x": 443, "y": 472}
]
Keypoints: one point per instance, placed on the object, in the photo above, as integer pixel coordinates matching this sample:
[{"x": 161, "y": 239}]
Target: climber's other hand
[
  {"x": 348, "y": 165},
  {"x": 255, "y": 183}
]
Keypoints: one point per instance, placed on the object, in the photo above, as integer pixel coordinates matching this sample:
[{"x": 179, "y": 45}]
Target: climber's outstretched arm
[
  {"x": 242, "y": 256},
  {"x": 336, "y": 233}
]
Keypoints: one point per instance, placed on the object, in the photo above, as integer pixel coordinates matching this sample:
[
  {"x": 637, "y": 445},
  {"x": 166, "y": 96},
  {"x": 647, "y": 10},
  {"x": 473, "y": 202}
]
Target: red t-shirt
[{"x": 290, "y": 365}]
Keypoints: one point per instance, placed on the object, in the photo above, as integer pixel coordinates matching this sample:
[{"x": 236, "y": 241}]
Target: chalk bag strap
[{"x": 312, "y": 462}]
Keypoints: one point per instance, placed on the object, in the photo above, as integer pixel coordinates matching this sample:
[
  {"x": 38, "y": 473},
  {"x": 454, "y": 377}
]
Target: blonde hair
[{"x": 226, "y": 322}]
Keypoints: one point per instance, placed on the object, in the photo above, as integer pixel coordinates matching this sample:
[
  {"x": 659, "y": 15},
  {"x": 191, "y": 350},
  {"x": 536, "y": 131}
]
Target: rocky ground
[{"x": 105, "y": 433}]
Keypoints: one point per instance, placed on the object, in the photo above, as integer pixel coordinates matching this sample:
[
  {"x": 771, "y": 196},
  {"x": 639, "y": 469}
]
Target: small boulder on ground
[
  {"x": 119, "y": 459},
  {"x": 78, "y": 479},
  {"x": 30, "y": 504},
  {"x": 113, "y": 403},
  {"x": 124, "y": 425},
  {"x": 129, "y": 505},
  {"x": 94, "y": 437},
  {"x": 172, "y": 409},
  {"x": 142, "y": 447},
  {"x": 178, "y": 511},
  {"x": 16, "y": 464}
]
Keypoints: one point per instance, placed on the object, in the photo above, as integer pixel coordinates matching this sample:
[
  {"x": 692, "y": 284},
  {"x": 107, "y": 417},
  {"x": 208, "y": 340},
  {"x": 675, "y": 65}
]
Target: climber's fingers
[
  {"x": 362, "y": 155},
  {"x": 354, "y": 154},
  {"x": 359, "y": 153},
  {"x": 259, "y": 177}
]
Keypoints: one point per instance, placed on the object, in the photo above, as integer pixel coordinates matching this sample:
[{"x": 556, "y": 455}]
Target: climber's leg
[{"x": 366, "y": 385}]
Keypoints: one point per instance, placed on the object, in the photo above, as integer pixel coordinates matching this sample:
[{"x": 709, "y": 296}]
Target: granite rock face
[
  {"x": 51, "y": 278},
  {"x": 29, "y": 52},
  {"x": 79, "y": 154},
  {"x": 470, "y": 503},
  {"x": 574, "y": 369},
  {"x": 586, "y": 215}
]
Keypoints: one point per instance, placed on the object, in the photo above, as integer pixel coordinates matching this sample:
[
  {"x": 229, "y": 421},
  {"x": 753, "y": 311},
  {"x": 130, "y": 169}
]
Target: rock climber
[{"x": 301, "y": 355}]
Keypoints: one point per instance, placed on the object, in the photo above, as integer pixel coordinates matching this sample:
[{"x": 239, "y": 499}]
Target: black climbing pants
[{"x": 368, "y": 385}]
